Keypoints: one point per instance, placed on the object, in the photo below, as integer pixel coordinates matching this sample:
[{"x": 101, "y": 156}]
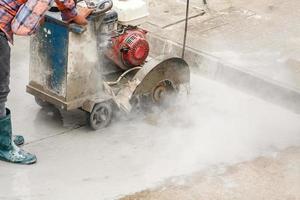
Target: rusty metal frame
[{"x": 86, "y": 103}]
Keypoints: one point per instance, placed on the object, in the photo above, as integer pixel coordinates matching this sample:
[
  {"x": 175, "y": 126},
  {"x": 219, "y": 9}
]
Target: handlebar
[{"x": 103, "y": 6}]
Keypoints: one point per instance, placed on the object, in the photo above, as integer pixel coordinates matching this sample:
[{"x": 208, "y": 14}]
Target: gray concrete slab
[
  {"x": 215, "y": 125},
  {"x": 248, "y": 45},
  {"x": 256, "y": 38},
  {"x": 164, "y": 13}
]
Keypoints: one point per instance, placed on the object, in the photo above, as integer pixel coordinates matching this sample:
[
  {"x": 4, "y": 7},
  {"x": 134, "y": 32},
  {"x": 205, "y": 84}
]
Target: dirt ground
[{"x": 272, "y": 177}]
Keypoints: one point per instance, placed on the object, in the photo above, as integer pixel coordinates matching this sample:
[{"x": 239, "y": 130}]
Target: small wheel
[
  {"x": 101, "y": 115},
  {"x": 42, "y": 103}
]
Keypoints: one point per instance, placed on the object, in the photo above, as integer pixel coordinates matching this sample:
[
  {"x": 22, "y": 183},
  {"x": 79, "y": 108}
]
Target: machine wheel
[
  {"x": 42, "y": 103},
  {"x": 101, "y": 115}
]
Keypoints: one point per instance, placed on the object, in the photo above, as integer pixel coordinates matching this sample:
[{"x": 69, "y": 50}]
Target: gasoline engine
[
  {"x": 127, "y": 45},
  {"x": 129, "y": 48}
]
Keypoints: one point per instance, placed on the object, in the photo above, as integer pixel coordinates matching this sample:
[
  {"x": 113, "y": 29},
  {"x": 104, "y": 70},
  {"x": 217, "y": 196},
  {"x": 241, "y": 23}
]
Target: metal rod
[
  {"x": 123, "y": 75},
  {"x": 186, "y": 27}
]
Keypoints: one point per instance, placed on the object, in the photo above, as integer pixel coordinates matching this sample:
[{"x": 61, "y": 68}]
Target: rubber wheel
[
  {"x": 101, "y": 115},
  {"x": 42, "y": 103}
]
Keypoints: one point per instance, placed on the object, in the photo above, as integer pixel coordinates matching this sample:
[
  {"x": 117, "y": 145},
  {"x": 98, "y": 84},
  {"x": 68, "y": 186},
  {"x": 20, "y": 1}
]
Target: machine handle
[
  {"x": 103, "y": 6},
  {"x": 75, "y": 28}
]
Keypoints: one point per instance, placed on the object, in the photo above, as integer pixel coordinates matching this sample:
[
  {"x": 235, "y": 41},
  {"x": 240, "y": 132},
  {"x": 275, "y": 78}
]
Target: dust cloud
[{"x": 214, "y": 125}]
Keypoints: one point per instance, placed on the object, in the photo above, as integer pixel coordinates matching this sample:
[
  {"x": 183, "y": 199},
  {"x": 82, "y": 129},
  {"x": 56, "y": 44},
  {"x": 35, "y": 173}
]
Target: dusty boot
[
  {"x": 18, "y": 140},
  {"x": 8, "y": 150}
]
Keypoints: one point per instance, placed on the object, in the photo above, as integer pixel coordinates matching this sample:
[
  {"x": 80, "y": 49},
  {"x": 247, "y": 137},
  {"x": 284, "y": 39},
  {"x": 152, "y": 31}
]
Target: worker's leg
[
  {"x": 2, "y": 110},
  {"x": 4, "y": 72},
  {"x": 4, "y": 81},
  {"x": 8, "y": 150}
]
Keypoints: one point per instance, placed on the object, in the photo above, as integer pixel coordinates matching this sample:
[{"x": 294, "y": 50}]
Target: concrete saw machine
[{"x": 104, "y": 67}]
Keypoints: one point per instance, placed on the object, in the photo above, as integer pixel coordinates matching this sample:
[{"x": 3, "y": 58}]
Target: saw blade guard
[{"x": 174, "y": 70}]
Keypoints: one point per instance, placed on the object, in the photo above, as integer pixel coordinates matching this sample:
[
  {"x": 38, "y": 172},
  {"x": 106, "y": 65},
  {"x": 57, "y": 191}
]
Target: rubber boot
[
  {"x": 8, "y": 150},
  {"x": 18, "y": 139}
]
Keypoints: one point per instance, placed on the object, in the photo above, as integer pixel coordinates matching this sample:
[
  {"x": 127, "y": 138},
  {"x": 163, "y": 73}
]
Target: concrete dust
[{"x": 215, "y": 125}]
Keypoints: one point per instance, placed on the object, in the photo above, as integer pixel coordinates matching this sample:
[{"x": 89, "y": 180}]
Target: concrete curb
[{"x": 239, "y": 78}]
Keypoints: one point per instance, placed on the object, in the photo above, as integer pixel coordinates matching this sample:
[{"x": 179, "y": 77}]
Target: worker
[{"x": 23, "y": 17}]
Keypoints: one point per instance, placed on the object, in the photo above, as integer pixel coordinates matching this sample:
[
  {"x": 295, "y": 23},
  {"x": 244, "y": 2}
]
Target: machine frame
[{"x": 67, "y": 69}]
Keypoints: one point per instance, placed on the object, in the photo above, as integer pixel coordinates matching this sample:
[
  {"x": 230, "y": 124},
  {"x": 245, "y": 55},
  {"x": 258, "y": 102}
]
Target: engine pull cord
[{"x": 186, "y": 27}]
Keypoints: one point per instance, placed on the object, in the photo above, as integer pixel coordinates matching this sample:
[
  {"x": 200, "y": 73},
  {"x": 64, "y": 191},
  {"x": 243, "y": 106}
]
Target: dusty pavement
[
  {"x": 213, "y": 140},
  {"x": 249, "y": 45},
  {"x": 274, "y": 177},
  {"x": 214, "y": 126}
]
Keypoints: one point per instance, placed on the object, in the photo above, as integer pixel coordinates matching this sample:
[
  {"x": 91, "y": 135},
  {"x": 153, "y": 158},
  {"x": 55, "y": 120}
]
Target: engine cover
[{"x": 129, "y": 49}]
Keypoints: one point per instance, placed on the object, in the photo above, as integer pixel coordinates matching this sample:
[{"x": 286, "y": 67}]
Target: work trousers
[{"x": 4, "y": 71}]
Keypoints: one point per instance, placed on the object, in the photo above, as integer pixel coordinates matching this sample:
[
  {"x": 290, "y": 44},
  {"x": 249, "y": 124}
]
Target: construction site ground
[{"x": 236, "y": 136}]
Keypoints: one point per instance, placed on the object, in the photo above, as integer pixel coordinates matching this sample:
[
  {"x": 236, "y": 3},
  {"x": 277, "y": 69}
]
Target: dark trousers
[{"x": 4, "y": 69}]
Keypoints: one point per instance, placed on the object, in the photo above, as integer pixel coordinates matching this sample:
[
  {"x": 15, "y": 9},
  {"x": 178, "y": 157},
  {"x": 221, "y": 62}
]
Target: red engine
[{"x": 129, "y": 49}]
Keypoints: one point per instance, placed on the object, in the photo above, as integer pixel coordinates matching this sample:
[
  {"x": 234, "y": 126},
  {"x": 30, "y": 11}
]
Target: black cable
[{"x": 186, "y": 27}]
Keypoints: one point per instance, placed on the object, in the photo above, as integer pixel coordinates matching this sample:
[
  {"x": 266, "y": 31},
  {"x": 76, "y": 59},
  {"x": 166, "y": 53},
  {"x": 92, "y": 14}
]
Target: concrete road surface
[{"x": 215, "y": 126}]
